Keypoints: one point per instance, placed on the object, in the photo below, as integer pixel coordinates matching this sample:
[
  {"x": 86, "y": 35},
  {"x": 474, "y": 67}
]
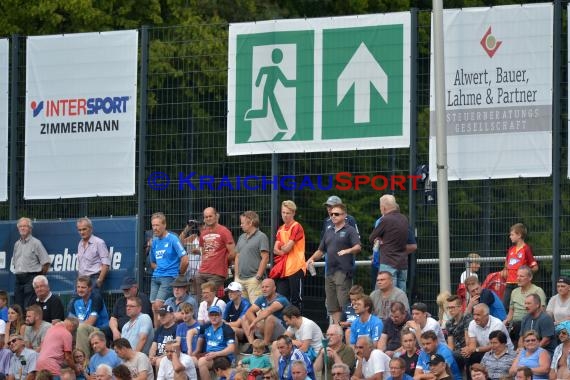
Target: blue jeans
[{"x": 400, "y": 276}]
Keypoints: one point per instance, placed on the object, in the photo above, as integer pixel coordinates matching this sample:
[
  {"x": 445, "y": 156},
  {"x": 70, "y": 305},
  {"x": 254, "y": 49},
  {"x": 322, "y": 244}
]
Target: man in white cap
[{"x": 235, "y": 309}]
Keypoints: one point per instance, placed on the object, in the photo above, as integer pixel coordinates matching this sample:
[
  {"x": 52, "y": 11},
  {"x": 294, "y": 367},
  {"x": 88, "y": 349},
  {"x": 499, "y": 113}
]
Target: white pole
[{"x": 441, "y": 142}]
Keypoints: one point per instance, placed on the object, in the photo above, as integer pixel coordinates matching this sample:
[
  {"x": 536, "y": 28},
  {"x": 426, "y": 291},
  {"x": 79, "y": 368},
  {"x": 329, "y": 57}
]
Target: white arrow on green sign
[{"x": 362, "y": 61}]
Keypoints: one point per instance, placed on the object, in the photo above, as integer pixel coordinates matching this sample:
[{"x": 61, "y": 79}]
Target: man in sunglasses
[
  {"x": 342, "y": 244},
  {"x": 23, "y": 361}
]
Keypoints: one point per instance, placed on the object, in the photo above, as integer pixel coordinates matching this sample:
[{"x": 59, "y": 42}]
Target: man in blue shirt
[
  {"x": 341, "y": 244},
  {"x": 486, "y": 296},
  {"x": 366, "y": 323},
  {"x": 168, "y": 259},
  {"x": 288, "y": 354},
  {"x": 219, "y": 340},
  {"x": 180, "y": 289},
  {"x": 430, "y": 346},
  {"x": 398, "y": 370},
  {"x": 265, "y": 316},
  {"x": 91, "y": 311},
  {"x": 103, "y": 354}
]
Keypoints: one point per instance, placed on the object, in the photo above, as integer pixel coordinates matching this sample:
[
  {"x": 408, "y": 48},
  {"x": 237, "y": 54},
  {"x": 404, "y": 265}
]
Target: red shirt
[
  {"x": 214, "y": 250},
  {"x": 516, "y": 258}
]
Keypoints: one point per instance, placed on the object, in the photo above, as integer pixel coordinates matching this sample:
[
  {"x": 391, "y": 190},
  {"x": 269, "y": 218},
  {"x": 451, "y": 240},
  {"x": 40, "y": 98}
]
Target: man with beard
[{"x": 36, "y": 327}]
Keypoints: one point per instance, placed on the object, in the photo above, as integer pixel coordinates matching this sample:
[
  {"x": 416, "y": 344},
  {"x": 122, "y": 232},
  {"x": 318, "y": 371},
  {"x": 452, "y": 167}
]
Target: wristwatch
[
  {"x": 477, "y": 349},
  {"x": 259, "y": 278}
]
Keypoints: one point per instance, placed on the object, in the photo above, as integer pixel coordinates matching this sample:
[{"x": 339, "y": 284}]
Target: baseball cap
[
  {"x": 436, "y": 359},
  {"x": 564, "y": 280},
  {"x": 234, "y": 286},
  {"x": 214, "y": 310},
  {"x": 565, "y": 325},
  {"x": 128, "y": 282},
  {"x": 332, "y": 200},
  {"x": 165, "y": 309}
]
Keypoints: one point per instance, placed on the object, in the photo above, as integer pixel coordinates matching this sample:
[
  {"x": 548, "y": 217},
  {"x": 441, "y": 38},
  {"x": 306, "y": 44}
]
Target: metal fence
[{"x": 182, "y": 129}]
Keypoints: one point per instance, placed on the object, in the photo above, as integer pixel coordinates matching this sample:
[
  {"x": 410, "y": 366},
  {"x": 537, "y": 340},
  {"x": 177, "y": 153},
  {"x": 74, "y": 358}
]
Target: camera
[{"x": 193, "y": 226}]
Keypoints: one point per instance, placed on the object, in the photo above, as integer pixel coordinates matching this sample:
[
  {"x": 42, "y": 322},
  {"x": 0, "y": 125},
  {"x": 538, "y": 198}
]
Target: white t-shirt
[
  {"x": 434, "y": 326},
  {"x": 378, "y": 362},
  {"x": 166, "y": 370},
  {"x": 203, "y": 309},
  {"x": 2, "y": 327},
  {"x": 466, "y": 274},
  {"x": 309, "y": 330},
  {"x": 558, "y": 308}
]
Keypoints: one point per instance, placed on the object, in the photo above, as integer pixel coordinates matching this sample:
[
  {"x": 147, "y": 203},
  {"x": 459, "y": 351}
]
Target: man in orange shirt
[{"x": 289, "y": 256}]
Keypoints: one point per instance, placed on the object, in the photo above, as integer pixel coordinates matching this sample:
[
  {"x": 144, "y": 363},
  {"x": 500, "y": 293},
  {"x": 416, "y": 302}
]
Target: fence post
[
  {"x": 275, "y": 209},
  {"x": 413, "y": 137},
  {"x": 556, "y": 144},
  {"x": 14, "y": 83},
  {"x": 142, "y": 152}
]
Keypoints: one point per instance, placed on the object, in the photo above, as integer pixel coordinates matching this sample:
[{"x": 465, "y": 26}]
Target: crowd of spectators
[{"x": 255, "y": 325}]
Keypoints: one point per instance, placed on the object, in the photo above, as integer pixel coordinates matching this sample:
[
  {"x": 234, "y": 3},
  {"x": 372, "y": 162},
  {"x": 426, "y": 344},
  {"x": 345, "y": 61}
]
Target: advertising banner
[
  {"x": 340, "y": 83},
  {"x": 498, "y": 92},
  {"x": 81, "y": 115},
  {"x": 4, "y": 91},
  {"x": 60, "y": 239}
]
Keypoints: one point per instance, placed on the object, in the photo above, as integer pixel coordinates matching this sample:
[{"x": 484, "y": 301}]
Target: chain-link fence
[{"x": 184, "y": 136}]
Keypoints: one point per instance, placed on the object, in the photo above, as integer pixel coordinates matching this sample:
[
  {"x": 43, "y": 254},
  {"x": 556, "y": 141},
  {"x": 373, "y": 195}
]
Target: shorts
[
  {"x": 337, "y": 286},
  {"x": 161, "y": 288}
]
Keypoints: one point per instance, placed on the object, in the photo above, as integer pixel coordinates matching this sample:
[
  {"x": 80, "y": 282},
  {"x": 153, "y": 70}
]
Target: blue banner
[{"x": 60, "y": 238}]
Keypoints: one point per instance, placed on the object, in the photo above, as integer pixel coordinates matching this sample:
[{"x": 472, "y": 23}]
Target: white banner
[
  {"x": 325, "y": 84},
  {"x": 81, "y": 115},
  {"x": 498, "y": 92},
  {"x": 4, "y": 90}
]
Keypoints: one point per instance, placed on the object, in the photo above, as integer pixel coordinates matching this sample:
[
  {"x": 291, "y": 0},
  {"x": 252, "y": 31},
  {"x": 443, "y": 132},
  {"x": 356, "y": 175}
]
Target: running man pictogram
[{"x": 273, "y": 75}]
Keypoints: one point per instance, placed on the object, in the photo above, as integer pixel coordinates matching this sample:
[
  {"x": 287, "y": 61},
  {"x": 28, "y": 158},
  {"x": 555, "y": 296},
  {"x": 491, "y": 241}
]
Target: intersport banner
[
  {"x": 60, "y": 239},
  {"x": 81, "y": 115},
  {"x": 498, "y": 92},
  {"x": 4, "y": 89}
]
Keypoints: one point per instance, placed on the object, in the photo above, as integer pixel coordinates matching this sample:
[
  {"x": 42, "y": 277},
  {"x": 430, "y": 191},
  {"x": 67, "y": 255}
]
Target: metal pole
[
  {"x": 14, "y": 82},
  {"x": 275, "y": 210},
  {"x": 556, "y": 144},
  {"x": 141, "y": 209},
  {"x": 413, "y": 138},
  {"x": 441, "y": 141}
]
